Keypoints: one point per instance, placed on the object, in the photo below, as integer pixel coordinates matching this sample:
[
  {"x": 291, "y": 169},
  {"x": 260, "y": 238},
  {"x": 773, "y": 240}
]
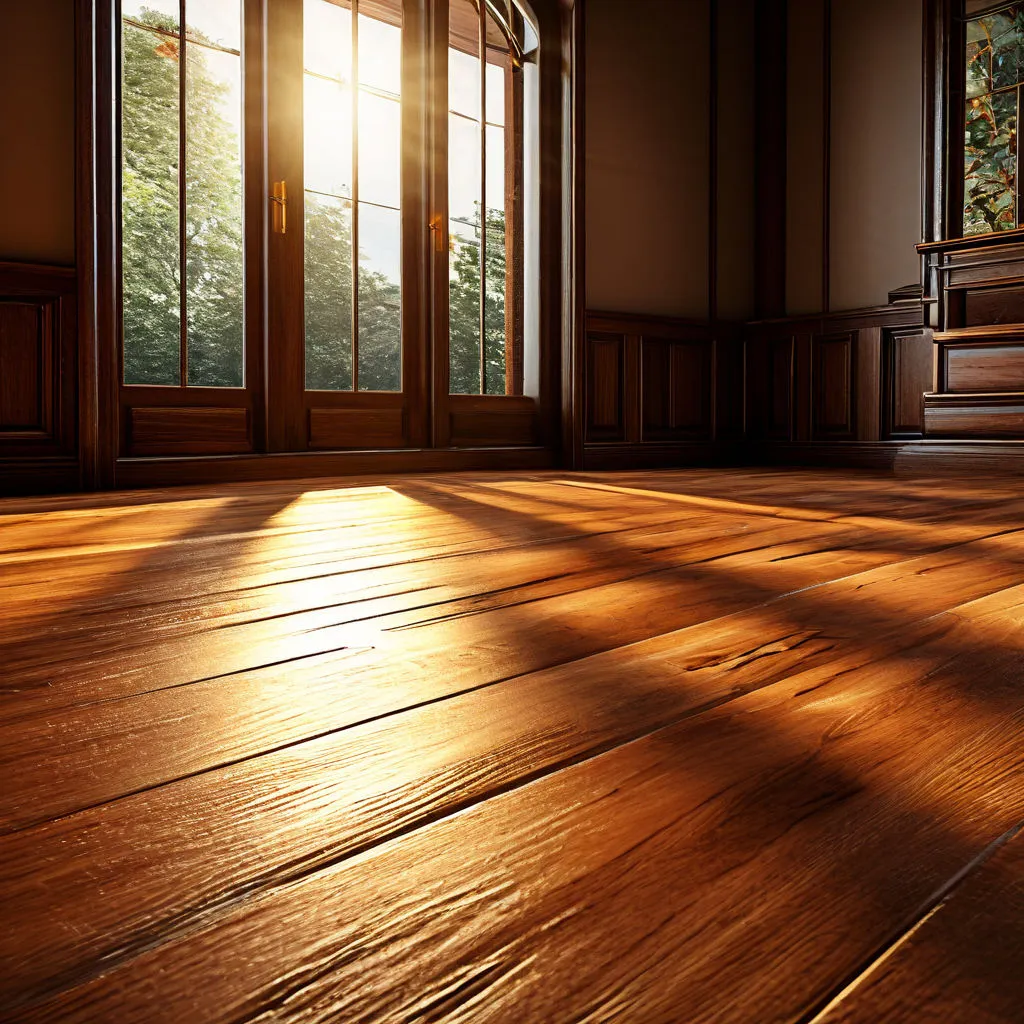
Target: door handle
[{"x": 279, "y": 199}]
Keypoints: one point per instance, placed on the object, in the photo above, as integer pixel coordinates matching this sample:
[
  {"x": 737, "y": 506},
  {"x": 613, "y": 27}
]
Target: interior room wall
[
  {"x": 877, "y": 76},
  {"x": 647, "y": 156},
  {"x": 806, "y": 127},
  {"x": 37, "y": 129},
  {"x": 736, "y": 219}
]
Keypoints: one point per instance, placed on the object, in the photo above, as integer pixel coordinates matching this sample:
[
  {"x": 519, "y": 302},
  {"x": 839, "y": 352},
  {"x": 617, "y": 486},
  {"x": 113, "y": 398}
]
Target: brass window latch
[
  {"x": 437, "y": 230},
  {"x": 279, "y": 198}
]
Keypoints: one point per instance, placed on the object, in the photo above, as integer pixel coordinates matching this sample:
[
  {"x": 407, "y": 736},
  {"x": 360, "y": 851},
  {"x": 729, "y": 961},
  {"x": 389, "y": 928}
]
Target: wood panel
[
  {"x": 838, "y": 387},
  {"x": 974, "y": 415},
  {"x": 730, "y": 387},
  {"x": 993, "y": 306},
  {"x": 26, "y": 358},
  {"x": 192, "y": 430},
  {"x": 485, "y": 420},
  {"x": 909, "y": 374},
  {"x": 675, "y": 389},
  {"x": 605, "y": 387},
  {"x": 832, "y": 410},
  {"x": 780, "y": 382},
  {"x": 980, "y": 367},
  {"x": 38, "y": 370},
  {"x": 356, "y": 428}
]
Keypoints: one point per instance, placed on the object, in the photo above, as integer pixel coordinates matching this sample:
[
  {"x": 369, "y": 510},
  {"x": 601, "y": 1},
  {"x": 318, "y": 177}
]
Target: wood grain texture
[
  {"x": 960, "y": 963},
  {"x": 198, "y": 430},
  {"x": 24, "y": 360},
  {"x": 503, "y": 747}
]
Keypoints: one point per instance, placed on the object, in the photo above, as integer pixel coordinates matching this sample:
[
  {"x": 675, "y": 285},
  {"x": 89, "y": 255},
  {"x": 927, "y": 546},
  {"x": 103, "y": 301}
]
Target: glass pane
[
  {"x": 380, "y": 149},
  {"x": 213, "y": 216},
  {"x": 327, "y": 39},
  {"x": 327, "y": 132},
  {"x": 380, "y": 49},
  {"x": 464, "y": 310},
  {"x": 464, "y": 185},
  {"x": 150, "y": 253},
  {"x": 495, "y": 169},
  {"x": 464, "y": 58},
  {"x": 495, "y": 93},
  {"x": 215, "y": 21},
  {"x": 494, "y": 309},
  {"x": 990, "y": 164},
  {"x": 159, "y": 13},
  {"x": 380, "y": 299},
  {"x": 995, "y": 51},
  {"x": 328, "y": 292}
]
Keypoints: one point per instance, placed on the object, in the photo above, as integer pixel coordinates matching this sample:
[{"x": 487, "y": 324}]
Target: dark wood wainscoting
[
  {"x": 661, "y": 390},
  {"x": 842, "y": 389},
  {"x": 38, "y": 379}
]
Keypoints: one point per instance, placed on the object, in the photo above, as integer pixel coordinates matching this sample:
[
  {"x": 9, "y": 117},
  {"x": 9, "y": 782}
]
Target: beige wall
[
  {"x": 876, "y": 148},
  {"x": 805, "y": 156},
  {"x": 647, "y": 167},
  {"x": 37, "y": 132}
]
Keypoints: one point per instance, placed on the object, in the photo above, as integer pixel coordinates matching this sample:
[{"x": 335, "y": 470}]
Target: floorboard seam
[{"x": 932, "y": 905}]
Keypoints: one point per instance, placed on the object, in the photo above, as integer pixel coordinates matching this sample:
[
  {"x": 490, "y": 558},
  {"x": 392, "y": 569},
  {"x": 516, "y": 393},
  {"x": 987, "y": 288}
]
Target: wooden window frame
[{"x": 102, "y": 419}]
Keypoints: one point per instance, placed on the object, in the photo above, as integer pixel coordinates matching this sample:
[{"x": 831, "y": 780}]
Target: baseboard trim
[
  {"x": 937, "y": 458},
  {"x": 656, "y": 456},
  {"x": 27, "y": 476},
  {"x": 175, "y": 471},
  {"x": 876, "y": 455}
]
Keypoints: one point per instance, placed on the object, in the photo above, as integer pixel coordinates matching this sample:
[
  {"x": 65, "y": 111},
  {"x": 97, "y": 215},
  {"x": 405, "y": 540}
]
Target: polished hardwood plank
[
  {"x": 962, "y": 962},
  {"x": 496, "y": 747},
  {"x": 703, "y": 865}
]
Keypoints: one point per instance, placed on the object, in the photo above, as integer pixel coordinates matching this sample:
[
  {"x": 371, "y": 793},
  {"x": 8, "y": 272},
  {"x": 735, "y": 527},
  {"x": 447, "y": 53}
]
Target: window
[
  {"x": 995, "y": 72},
  {"x": 352, "y": 124},
  {"x": 181, "y": 193},
  {"x": 393, "y": 151}
]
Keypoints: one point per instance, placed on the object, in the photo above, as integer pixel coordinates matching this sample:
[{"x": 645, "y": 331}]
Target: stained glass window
[{"x": 995, "y": 72}]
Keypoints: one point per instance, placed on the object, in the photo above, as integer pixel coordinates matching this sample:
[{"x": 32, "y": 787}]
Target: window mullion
[
  {"x": 182, "y": 198},
  {"x": 483, "y": 197},
  {"x": 355, "y": 195}
]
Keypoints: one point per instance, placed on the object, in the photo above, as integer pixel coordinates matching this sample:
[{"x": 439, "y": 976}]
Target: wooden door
[{"x": 345, "y": 343}]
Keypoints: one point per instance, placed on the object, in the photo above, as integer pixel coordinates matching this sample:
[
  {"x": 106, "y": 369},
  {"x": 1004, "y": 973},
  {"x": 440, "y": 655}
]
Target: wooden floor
[{"x": 680, "y": 746}]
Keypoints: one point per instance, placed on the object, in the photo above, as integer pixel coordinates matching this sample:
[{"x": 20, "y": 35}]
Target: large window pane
[
  {"x": 150, "y": 244},
  {"x": 328, "y": 291},
  {"x": 380, "y": 52},
  {"x": 152, "y": 12},
  {"x": 464, "y": 185},
  {"x": 327, "y": 39},
  {"x": 327, "y": 129},
  {"x": 464, "y": 81},
  {"x": 380, "y": 299},
  {"x": 496, "y": 93},
  {"x": 218, "y": 22},
  {"x": 371, "y": 223},
  {"x": 380, "y": 150},
  {"x": 213, "y": 214},
  {"x": 464, "y": 310}
]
